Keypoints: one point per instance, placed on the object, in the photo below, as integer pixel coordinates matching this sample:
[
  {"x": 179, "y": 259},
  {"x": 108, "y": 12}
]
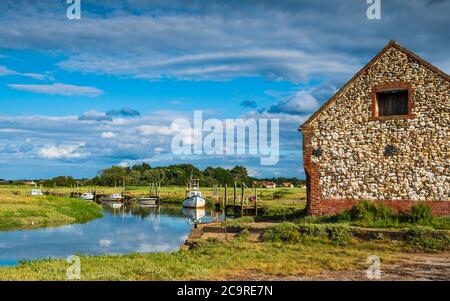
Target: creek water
[{"x": 130, "y": 229}]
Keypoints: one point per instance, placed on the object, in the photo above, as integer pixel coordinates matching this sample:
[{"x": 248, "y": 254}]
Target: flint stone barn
[{"x": 384, "y": 137}]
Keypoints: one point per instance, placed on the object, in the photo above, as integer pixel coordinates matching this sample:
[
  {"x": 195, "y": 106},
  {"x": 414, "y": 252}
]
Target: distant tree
[
  {"x": 63, "y": 181},
  {"x": 113, "y": 176}
]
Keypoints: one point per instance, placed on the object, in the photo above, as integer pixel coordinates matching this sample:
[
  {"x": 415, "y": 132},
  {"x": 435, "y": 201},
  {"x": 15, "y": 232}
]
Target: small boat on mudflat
[
  {"x": 148, "y": 201},
  {"x": 87, "y": 196},
  {"x": 36, "y": 192},
  {"x": 113, "y": 197}
]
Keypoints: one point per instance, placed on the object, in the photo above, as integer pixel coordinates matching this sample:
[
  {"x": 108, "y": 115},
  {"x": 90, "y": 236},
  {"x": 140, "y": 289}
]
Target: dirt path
[{"x": 418, "y": 267}]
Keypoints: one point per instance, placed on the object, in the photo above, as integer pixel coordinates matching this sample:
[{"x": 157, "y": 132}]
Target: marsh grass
[
  {"x": 426, "y": 238},
  {"x": 211, "y": 260},
  {"x": 27, "y": 212},
  {"x": 339, "y": 234},
  {"x": 240, "y": 222},
  {"x": 371, "y": 215}
]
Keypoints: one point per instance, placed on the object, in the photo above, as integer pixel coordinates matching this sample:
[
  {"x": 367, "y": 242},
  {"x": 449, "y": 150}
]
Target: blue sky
[{"x": 80, "y": 95}]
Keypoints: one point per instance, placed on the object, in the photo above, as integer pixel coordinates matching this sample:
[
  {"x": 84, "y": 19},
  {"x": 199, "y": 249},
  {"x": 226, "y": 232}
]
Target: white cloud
[
  {"x": 62, "y": 152},
  {"x": 253, "y": 172},
  {"x": 108, "y": 135},
  {"x": 275, "y": 64},
  {"x": 148, "y": 130},
  {"x": 58, "y": 89},
  {"x": 93, "y": 115},
  {"x": 124, "y": 164},
  {"x": 4, "y": 71},
  {"x": 301, "y": 102},
  {"x": 158, "y": 150},
  {"x": 105, "y": 242}
]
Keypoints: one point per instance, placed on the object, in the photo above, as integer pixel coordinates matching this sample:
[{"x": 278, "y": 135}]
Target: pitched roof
[{"x": 392, "y": 44}]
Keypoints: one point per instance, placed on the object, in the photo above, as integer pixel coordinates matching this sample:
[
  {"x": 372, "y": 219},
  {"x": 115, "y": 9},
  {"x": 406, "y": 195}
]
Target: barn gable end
[{"x": 352, "y": 153}]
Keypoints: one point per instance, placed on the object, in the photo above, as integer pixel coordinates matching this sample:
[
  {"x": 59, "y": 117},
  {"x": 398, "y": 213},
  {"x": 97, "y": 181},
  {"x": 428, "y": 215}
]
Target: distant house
[
  {"x": 287, "y": 185},
  {"x": 384, "y": 137},
  {"x": 269, "y": 184},
  {"x": 30, "y": 183}
]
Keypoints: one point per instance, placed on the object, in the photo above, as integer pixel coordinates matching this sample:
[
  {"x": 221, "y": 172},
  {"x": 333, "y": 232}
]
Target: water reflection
[
  {"x": 194, "y": 215},
  {"x": 122, "y": 230}
]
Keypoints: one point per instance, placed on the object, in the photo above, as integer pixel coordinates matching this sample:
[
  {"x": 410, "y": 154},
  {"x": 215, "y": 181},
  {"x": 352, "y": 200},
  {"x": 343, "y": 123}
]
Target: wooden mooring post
[
  {"x": 234, "y": 197},
  {"x": 242, "y": 199},
  {"x": 225, "y": 197},
  {"x": 255, "y": 193}
]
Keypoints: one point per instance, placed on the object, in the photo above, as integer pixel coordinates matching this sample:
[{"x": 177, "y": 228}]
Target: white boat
[
  {"x": 194, "y": 200},
  {"x": 148, "y": 201},
  {"x": 36, "y": 192},
  {"x": 194, "y": 197},
  {"x": 87, "y": 196},
  {"x": 113, "y": 197},
  {"x": 116, "y": 196}
]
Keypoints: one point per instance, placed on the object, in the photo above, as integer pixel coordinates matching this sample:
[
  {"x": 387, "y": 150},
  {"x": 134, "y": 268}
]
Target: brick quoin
[{"x": 312, "y": 175}]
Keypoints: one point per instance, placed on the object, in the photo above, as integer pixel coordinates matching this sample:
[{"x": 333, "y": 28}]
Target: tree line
[{"x": 173, "y": 175}]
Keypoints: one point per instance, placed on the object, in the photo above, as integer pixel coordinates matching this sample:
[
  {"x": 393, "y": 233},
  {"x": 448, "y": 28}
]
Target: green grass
[
  {"x": 366, "y": 214},
  {"x": 419, "y": 237},
  {"x": 428, "y": 239},
  {"x": 339, "y": 234},
  {"x": 240, "y": 222},
  {"x": 211, "y": 260},
  {"x": 27, "y": 212}
]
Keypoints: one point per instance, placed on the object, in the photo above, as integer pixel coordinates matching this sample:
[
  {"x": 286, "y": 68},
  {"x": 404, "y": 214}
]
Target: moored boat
[
  {"x": 87, "y": 196},
  {"x": 194, "y": 200},
  {"x": 148, "y": 201},
  {"x": 194, "y": 197},
  {"x": 113, "y": 197},
  {"x": 36, "y": 192}
]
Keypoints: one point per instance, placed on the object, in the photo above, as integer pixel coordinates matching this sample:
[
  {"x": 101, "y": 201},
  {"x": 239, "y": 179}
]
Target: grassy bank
[
  {"x": 28, "y": 212},
  {"x": 236, "y": 259},
  {"x": 371, "y": 215}
]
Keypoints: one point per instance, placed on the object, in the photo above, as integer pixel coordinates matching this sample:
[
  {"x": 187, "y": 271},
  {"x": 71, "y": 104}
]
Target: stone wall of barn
[{"x": 345, "y": 147}]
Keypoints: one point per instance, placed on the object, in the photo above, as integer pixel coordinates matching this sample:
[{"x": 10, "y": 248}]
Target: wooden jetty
[
  {"x": 243, "y": 203},
  {"x": 153, "y": 197}
]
